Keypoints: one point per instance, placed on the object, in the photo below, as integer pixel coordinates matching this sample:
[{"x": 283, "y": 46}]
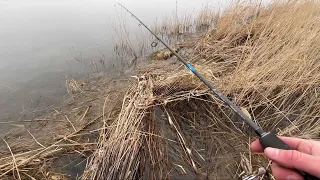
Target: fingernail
[
  {"x": 271, "y": 152},
  {"x": 292, "y": 177}
]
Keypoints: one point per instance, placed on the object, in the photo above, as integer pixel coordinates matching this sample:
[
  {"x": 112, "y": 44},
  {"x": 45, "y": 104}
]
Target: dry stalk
[
  {"x": 84, "y": 114},
  {"x": 35, "y": 138},
  {"x": 70, "y": 123},
  {"x": 13, "y": 159}
]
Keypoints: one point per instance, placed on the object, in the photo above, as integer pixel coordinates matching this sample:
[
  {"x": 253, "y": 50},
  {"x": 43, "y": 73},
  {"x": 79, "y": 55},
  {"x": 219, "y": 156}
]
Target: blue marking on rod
[{"x": 191, "y": 68}]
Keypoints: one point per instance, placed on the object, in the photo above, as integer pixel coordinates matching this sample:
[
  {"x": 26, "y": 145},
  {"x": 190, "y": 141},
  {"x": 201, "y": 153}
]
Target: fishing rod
[{"x": 267, "y": 139}]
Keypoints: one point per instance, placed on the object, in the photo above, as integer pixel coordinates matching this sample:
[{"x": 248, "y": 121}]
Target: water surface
[{"x": 42, "y": 41}]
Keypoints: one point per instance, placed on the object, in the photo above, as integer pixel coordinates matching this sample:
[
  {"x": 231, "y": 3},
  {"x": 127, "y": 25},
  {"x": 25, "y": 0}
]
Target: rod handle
[{"x": 269, "y": 139}]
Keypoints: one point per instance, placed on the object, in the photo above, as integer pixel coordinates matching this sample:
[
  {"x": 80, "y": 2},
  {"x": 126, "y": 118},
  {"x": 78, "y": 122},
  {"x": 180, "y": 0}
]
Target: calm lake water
[{"x": 43, "y": 40}]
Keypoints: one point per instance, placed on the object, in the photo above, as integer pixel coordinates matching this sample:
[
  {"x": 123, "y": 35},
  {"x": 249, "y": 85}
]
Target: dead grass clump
[
  {"x": 164, "y": 54},
  {"x": 172, "y": 127},
  {"x": 127, "y": 132}
]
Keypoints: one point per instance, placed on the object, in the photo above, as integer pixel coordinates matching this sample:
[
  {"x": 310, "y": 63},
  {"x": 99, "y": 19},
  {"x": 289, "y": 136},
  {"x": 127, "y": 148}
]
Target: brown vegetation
[{"x": 171, "y": 126}]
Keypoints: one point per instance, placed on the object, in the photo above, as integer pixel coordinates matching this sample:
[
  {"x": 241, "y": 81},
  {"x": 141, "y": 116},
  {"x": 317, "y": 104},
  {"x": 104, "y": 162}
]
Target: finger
[
  {"x": 284, "y": 173},
  {"x": 301, "y": 145},
  {"x": 256, "y": 146},
  {"x": 293, "y": 159}
]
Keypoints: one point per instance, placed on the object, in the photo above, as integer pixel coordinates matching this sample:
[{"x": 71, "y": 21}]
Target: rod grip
[{"x": 271, "y": 140}]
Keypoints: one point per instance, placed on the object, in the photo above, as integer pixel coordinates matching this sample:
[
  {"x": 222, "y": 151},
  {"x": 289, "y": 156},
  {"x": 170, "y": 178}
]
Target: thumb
[{"x": 293, "y": 159}]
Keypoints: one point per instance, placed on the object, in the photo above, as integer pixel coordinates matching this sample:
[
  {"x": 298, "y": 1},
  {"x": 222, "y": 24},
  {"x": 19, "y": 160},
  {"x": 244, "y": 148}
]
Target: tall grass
[{"x": 188, "y": 22}]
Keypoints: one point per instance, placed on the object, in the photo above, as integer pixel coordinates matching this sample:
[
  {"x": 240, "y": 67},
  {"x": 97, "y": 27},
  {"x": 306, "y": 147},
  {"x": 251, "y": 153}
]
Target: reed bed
[{"x": 265, "y": 58}]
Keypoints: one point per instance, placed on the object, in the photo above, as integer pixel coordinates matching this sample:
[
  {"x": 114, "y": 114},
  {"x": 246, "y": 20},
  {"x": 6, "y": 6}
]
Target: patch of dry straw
[{"x": 34, "y": 148}]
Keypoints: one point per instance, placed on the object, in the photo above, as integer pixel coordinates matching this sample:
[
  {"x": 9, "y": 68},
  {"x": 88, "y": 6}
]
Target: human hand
[{"x": 305, "y": 157}]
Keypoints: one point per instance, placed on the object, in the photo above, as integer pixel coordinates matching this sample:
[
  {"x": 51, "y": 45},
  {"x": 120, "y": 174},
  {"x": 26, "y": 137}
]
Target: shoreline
[{"x": 158, "y": 121}]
